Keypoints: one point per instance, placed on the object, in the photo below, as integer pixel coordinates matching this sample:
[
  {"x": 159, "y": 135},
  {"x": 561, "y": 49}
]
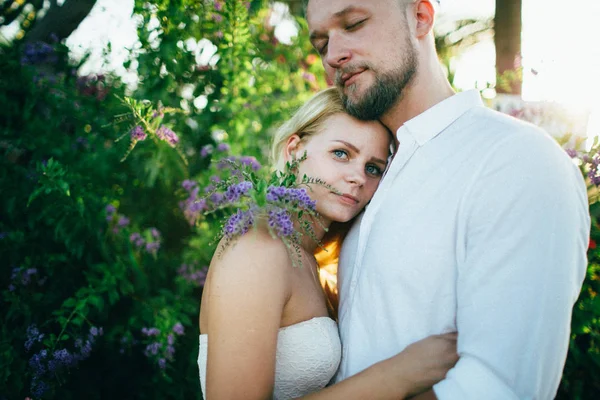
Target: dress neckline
[{"x": 296, "y": 325}]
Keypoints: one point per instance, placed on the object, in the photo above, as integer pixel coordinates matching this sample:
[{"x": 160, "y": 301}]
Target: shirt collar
[{"x": 434, "y": 120}]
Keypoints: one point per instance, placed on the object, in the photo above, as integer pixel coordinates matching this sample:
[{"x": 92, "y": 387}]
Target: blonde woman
[{"x": 265, "y": 327}]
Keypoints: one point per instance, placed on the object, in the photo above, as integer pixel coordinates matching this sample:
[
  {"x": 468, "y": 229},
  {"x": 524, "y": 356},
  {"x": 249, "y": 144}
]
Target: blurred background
[{"x": 111, "y": 112}]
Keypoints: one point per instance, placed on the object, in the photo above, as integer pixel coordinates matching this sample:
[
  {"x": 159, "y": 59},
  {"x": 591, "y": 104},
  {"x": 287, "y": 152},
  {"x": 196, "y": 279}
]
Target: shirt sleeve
[{"x": 522, "y": 260}]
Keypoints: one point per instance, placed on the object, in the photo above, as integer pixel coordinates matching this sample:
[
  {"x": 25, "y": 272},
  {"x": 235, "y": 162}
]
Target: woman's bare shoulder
[{"x": 255, "y": 249}]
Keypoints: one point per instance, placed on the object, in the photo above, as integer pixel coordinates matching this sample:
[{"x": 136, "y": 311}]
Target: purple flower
[
  {"x": 250, "y": 161},
  {"x": 155, "y": 233},
  {"x": 223, "y": 147},
  {"x": 110, "y": 210},
  {"x": 195, "y": 277},
  {"x": 188, "y": 184},
  {"x": 150, "y": 332},
  {"x": 123, "y": 221},
  {"x": 33, "y": 336},
  {"x": 239, "y": 223},
  {"x": 166, "y": 134},
  {"x": 64, "y": 358},
  {"x": 152, "y": 349},
  {"x": 36, "y": 362},
  {"x": 178, "y": 329},
  {"x": 137, "y": 239},
  {"x": 162, "y": 363},
  {"x": 216, "y": 199},
  {"x": 235, "y": 191},
  {"x": 138, "y": 134},
  {"x": 170, "y": 351},
  {"x": 218, "y": 6},
  {"x": 206, "y": 150},
  {"x": 39, "y": 388},
  {"x": 152, "y": 247},
  {"x": 280, "y": 220}
]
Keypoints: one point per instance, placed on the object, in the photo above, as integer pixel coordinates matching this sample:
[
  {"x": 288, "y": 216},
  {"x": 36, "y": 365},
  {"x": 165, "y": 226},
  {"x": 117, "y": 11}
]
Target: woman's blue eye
[
  {"x": 340, "y": 154},
  {"x": 373, "y": 170}
]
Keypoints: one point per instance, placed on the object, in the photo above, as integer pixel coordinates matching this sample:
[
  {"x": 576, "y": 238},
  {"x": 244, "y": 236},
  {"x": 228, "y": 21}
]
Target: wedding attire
[
  {"x": 308, "y": 355},
  {"x": 480, "y": 226}
]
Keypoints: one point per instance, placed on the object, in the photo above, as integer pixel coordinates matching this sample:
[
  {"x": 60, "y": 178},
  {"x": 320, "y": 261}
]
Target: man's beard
[{"x": 384, "y": 93}]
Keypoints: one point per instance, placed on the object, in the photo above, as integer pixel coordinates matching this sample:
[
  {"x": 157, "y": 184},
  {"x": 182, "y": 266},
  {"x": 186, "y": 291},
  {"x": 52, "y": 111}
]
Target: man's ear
[
  {"x": 424, "y": 12},
  {"x": 292, "y": 145}
]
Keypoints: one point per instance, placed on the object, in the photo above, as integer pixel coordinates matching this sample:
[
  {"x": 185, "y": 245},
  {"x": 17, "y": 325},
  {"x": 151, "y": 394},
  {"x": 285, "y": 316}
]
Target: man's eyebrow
[
  {"x": 357, "y": 151},
  {"x": 338, "y": 15}
]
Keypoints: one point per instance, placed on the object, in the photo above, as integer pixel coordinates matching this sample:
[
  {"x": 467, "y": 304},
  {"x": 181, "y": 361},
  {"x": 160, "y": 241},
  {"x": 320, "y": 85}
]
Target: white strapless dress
[{"x": 308, "y": 355}]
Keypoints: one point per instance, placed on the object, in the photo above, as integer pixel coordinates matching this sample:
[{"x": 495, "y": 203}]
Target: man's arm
[{"x": 525, "y": 224}]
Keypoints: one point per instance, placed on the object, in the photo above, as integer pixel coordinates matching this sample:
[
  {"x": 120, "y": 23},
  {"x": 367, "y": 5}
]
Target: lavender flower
[
  {"x": 250, "y": 161},
  {"x": 162, "y": 363},
  {"x": 239, "y": 223},
  {"x": 138, "y": 134},
  {"x": 166, "y": 134},
  {"x": 235, "y": 191},
  {"x": 223, "y": 147},
  {"x": 150, "y": 332},
  {"x": 123, "y": 221},
  {"x": 39, "y": 388},
  {"x": 64, "y": 358},
  {"x": 205, "y": 151},
  {"x": 36, "y": 362},
  {"x": 155, "y": 233},
  {"x": 137, "y": 239},
  {"x": 152, "y": 247},
  {"x": 194, "y": 277},
  {"x": 178, "y": 329},
  {"x": 152, "y": 349},
  {"x": 294, "y": 197},
  {"x": 33, "y": 336},
  {"x": 188, "y": 185},
  {"x": 280, "y": 220}
]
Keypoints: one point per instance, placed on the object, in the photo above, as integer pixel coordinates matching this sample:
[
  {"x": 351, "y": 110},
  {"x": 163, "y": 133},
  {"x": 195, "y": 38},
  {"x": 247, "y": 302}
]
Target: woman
[{"x": 266, "y": 331}]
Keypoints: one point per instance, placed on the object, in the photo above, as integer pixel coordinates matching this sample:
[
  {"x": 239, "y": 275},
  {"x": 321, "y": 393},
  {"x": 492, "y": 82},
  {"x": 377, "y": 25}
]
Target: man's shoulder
[{"x": 512, "y": 135}]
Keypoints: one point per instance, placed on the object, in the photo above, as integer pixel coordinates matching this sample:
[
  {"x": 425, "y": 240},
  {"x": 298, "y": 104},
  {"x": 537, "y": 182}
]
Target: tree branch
[{"x": 61, "y": 21}]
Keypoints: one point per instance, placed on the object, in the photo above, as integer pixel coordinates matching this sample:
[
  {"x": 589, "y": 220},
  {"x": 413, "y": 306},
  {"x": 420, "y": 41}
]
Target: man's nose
[{"x": 338, "y": 52}]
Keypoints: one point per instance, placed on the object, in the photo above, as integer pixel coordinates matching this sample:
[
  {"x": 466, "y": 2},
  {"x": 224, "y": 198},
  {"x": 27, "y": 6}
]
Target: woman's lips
[{"x": 348, "y": 199}]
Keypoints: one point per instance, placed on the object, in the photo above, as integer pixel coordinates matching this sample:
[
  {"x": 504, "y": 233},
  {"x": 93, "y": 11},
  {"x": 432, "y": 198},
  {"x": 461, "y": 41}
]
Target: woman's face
[{"x": 349, "y": 155}]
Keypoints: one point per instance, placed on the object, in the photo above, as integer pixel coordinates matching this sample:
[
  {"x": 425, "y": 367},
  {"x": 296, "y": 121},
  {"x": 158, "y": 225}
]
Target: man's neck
[{"x": 425, "y": 91}]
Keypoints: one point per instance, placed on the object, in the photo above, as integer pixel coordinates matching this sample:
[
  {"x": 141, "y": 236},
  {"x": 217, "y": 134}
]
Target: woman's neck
[{"x": 310, "y": 243}]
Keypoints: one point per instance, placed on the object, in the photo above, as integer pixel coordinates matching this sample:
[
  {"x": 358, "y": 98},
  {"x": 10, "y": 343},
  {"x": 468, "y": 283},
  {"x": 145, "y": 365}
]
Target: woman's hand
[{"x": 422, "y": 364}]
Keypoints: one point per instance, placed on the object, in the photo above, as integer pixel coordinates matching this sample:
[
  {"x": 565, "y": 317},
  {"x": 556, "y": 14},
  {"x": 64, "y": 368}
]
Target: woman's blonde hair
[{"x": 305, "y": 122}]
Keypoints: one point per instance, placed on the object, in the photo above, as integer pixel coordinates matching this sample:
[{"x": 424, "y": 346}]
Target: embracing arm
[
  {"x": 249, "y": 289},
  {"x": 415, "y": 369},
  {"x": 526, "y": 229}
]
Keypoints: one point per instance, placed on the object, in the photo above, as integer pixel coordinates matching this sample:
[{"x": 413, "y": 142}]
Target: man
[{"x": 480, "y": 225}]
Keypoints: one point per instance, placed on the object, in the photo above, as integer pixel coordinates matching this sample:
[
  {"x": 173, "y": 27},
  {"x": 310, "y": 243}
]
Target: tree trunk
[
  {"x": 296, "y": 6},
  {"x": 507, "y": 38},
  {"x": 60, "y": 20}
]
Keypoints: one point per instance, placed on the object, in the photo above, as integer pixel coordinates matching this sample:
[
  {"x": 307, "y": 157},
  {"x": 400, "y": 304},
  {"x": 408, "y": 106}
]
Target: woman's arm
[
  {"x": 417, "y": 368},
  {"x": 249, "y": 288}
]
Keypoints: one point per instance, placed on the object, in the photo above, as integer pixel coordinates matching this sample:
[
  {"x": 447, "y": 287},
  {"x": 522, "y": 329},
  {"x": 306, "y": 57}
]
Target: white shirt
[{"x": 480, "y": 226}]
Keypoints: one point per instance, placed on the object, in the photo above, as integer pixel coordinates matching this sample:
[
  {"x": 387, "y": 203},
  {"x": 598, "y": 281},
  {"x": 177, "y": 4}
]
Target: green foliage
[
  {"x": 581, "y": 377},
  {"x": 99, "y": 260}
]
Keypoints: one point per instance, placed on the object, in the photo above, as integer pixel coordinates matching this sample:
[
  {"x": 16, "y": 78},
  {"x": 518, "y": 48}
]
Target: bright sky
[{"x": 559, "y": 42}]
